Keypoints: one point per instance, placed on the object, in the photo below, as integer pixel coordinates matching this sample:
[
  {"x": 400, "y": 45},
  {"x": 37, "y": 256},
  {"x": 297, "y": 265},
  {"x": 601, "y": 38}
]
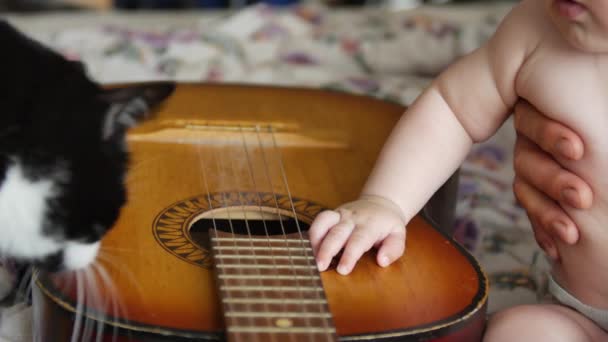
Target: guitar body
[{"x": 243, "y": 157}]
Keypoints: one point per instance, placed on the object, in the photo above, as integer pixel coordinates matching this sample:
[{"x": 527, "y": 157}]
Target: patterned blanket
[{"x": 388, "y": 55}]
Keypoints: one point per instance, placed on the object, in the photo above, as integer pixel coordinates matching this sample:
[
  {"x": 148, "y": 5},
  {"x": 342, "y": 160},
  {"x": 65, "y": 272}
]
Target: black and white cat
[{"x": 63, "y": 154}]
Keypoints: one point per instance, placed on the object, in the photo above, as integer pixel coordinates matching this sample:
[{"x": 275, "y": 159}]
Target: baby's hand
[{"x": 358, "y": 226}]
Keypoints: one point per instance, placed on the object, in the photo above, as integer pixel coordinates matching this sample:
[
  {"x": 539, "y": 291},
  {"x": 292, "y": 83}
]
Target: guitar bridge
[{"x": 200, "y": 132}]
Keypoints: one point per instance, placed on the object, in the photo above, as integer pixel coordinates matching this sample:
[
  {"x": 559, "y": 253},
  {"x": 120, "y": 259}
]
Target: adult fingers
[
  {"x": 544, "y": 240},
  {"x": 546, "y": 213},
  {"x": 550, "y": 135},
  {"x": 537, "y": 168}
]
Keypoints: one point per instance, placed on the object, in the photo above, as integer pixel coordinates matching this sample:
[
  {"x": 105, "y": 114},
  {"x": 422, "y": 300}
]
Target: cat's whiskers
[
  {"x": 106, "y": 260},
  {"x": 37, "y": 316},
  {"x": 110, "y": 260},
  {"x": 118, "y": 309},
  {"x": 100, "y": 301},
  {"x": 88, "y": 320},
  {"x": 37, "y": 313},
  {"x": 79, "y": 306},
  {"x": 110, "y": 297},
  {"x": 25, "y": 286}
]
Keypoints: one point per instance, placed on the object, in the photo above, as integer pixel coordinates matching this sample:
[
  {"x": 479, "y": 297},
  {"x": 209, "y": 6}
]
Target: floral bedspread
[{"x": 389, "y": 55}]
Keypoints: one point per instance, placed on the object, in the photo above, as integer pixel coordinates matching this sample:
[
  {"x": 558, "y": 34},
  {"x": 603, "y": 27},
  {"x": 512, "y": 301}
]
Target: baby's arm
[{"x": 467, "y": 103}]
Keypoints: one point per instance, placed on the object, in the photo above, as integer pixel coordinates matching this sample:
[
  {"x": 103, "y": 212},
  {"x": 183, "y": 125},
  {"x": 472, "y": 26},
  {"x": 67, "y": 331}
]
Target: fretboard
[{"x": 270, "y": 289}]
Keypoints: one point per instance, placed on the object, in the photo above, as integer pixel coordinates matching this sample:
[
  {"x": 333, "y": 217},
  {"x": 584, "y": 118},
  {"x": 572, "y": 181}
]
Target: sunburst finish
[{"x": 243, "y": 159}]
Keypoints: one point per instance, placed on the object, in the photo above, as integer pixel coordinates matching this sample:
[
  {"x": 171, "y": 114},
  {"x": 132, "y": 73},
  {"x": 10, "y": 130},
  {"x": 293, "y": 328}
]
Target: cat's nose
[{"x": 78, "y": 255}]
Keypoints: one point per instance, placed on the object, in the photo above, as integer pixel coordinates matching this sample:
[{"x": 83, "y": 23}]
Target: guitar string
[
  {"x": 212, "y": 211},
  {"x": 248, "y": 228},
  {"x": 203, "y": 178},
  {"x": 303, "y": 243},
  {"x": 274, "y": 195},
  {"x": 259, "y": 199},
  {"x": 220, "y": 167}
]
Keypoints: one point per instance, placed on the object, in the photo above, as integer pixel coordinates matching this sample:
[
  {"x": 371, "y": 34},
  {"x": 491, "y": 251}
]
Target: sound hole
[{"x": 239, "y": 219}]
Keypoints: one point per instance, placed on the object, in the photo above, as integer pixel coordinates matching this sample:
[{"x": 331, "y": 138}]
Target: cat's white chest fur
[{"x": 23, "y": 209}]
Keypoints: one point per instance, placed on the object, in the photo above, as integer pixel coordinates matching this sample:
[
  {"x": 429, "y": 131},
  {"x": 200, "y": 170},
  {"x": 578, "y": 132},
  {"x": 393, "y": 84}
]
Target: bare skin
[
  {"x": 543, "y": 322},
  {"x": 543, "y": 54},
  {"x": 542, "y": 140}
]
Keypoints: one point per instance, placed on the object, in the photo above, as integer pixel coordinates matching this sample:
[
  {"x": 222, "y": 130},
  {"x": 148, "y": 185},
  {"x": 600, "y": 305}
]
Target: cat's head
[
  {"x": 63, "y": 156},
  {"x": 64, "y": 166}
]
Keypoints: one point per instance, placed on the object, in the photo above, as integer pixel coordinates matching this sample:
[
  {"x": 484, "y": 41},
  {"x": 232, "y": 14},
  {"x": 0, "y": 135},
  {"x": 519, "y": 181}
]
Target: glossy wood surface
[{"x": 320, "y": 151}]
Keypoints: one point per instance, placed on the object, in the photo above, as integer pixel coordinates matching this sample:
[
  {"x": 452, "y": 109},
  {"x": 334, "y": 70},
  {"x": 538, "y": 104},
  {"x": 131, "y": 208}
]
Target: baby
[{"x": 552, "y": 54}]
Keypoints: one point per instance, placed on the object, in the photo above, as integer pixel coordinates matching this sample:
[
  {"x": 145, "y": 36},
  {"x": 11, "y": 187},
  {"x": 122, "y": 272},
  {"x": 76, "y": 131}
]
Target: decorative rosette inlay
[{"x": 171, "y": 227}]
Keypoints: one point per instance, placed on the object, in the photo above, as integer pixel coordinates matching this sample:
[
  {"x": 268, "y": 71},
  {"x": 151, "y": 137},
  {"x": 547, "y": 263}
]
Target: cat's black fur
[{"x": 55, "y": 122}]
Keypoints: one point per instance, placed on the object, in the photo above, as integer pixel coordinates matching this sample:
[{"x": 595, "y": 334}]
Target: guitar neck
[{"x": 270, "y": 287}]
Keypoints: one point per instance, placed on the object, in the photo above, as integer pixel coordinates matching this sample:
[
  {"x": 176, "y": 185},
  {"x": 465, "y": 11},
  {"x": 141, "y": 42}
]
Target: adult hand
[{"x": 542, "y": 185}]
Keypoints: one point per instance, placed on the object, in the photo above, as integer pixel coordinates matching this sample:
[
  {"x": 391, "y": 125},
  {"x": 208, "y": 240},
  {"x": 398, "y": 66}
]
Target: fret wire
[
  {"x": 293, "y": 209},
  {"x": 275, "y": 301},
  {"x": 274, "y": 196},
  {"x": 278, "y": 314},
  {"x": 242, "y": 204},
  {"x": 260, "y": 239},
  {"x": 211, "y": 209},
  {"x": 265, "y": 282},
  {"x": 219, "y": 172},
  {"x": 263, "y": 262},
  {"x": 298, "y": 330},
  {"x": 272, "y": 277},
  {"x": 267, "y": 235},
  {"x": 271, "y": 257},
  {"x": 286, "y": 245},
  {"x": 269, "y": 288},
  {"x": 286, "y": 267},
  {"x": 262, "y": 248}
]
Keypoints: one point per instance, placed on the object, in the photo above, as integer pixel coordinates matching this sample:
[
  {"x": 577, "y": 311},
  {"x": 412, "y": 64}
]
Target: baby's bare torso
[{"x": 572, "y": 87}]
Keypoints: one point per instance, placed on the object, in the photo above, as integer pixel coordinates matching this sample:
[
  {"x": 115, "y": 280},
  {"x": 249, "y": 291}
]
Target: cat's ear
[{"x": 130, "y": 105}]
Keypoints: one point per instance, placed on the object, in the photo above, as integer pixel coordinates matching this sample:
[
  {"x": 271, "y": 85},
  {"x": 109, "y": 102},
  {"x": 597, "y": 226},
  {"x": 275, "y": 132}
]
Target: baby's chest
[{"x": 570, "y": 88}]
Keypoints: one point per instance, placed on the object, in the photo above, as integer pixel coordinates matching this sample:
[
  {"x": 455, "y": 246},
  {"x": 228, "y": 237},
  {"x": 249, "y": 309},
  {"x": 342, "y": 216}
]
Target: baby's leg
[{"x": 547, "y": 322}]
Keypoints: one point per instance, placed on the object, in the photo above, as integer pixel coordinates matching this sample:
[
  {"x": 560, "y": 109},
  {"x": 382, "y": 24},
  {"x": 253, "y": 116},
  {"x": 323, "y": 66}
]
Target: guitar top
[{"x": 224, "y": 182}]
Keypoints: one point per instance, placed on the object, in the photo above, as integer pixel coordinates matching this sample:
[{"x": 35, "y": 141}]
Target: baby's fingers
[
  {"x": 392, "y": 248},
  {"x": 320, "y": 226},
  {"x": 333, "y": 243},
  {"x": 360, "y": 242}
]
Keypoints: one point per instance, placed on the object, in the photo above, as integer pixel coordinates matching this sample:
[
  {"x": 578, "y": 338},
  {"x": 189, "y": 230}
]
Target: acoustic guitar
[{"x": 224, "y": 182}]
